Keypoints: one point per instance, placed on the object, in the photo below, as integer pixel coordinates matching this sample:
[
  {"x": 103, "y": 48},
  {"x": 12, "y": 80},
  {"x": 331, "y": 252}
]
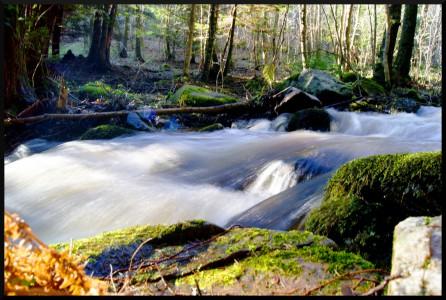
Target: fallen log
[{"x": 160, "y": 111}]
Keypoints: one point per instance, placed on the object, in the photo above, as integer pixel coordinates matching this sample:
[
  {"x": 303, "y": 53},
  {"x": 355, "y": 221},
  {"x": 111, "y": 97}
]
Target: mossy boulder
[
  {"x": 311, "y": 119},
  {"x": 368, "y": 87},
  {"x": 190, "y": 95},
  {"x": 212, "y": 127},
  {"x": 324, "y": 86},
  {"x": 367, "y": 197},
  {"x": 220, "y": 262},
  {"x": 102, "y": 132}
]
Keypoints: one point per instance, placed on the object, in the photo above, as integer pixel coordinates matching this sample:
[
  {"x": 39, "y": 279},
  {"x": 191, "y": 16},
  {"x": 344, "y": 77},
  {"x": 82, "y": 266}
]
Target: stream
[{"x": 253, "y": 174}]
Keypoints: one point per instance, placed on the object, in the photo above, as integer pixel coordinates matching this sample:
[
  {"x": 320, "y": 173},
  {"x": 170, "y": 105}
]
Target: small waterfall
[
  {"x": 274, "y": 178},
  {"x": 254, "y": 173}
]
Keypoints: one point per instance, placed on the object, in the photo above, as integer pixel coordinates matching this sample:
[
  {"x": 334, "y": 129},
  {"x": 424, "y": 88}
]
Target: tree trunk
[
  {"x": 405, "y": 46},
  {"x": 55, "y": 43},
  {"x": 190, "y": 39},
  {"x": 111, "y": 24},
  {"x": 123, "y": 53},
  {"x": 209, "y": 51},
  {"x": 93, "y": 53},
  {"x": 228, "y": 62},
  {"x": 347, "y": 38},
  {"x": 139, "y": 35},
  {"x": 303, "y": 35},
  {"x": 385, "y": 59},
  {"x": 18, "y": 91}
]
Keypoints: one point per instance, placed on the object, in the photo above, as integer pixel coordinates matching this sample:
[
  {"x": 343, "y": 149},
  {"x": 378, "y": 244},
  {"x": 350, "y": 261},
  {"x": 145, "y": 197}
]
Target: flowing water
[{"x": 253, "y": 173}]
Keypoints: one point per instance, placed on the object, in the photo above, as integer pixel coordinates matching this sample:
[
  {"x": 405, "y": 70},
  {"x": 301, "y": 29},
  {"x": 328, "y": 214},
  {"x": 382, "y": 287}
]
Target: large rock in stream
[
  {"x": 367, "y": 197},
  {"x": 196, "y": 257},
  {"x": 417, "y": 257},
  {"x": 325, "y": 87}
]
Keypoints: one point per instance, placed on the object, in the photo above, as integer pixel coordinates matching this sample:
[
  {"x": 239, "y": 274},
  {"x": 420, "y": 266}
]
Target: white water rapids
[{"x": 81, "y": 188}]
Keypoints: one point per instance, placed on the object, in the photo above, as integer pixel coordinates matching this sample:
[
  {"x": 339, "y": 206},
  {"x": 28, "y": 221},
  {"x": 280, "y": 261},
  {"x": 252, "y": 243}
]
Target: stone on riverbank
[
  {"x": 417, "y": 257},
  {"x": 246, "y": 261}
]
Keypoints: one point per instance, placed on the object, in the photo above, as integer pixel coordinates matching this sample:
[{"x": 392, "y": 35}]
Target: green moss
[
  {"x": 95, "y": 89},
  {"x": 274, "y": 252},
  {"x": 177, "y": 233},
  {"x": 287, "y": 82},
  {"x": 349, "y": 77},
  {"x": 366, "y": 106},
  {"x": 105, "y": 132},
  {"x": 99, "y": 89},
  {"x": 190, "y": 95},
  {"x": 213, "y": 127},
  {"x": 368, "y": 87},
  {"x": 311, "y": 119},
  {"x": 366, "y": 198}
]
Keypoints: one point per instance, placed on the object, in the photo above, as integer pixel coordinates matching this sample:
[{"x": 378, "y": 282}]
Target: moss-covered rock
[
  {"x": 311, "y": 119},
  {"x": 367, "y": 197},
  {"x": 103, "y": 132},
  {"x": 324, "y": 86},
  {"x": 190, "y": 95},
  {"x": 212, "y": 127},
  {"x": 236, "y": 261},
  {"x": 369, "y": 105},
  {"x": 349, "y": 77},
  {"x": 368, "y": 87}
]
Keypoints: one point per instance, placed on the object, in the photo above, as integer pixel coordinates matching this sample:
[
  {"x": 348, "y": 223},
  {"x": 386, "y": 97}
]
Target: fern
[{"x": 269, "y": 72}]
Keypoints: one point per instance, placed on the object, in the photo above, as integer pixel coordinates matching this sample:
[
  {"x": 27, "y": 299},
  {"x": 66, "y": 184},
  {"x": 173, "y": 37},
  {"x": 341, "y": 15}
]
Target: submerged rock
[
  {"x": 190, "y": 95},
  {"x": 417, "y": 257},
  {"x": 311, "y": 119},
  {"x": 104, "y": 132},
  {"x": 237, "y": 261},
  {"x": 327, "y": 88},
  {"x": 367, "y": 197}
]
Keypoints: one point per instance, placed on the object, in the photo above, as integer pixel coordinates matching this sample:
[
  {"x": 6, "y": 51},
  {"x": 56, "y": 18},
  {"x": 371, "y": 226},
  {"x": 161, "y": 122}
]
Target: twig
[
  {"x": 151, "y": 263},
  {"x": 198, "y": 287},
  {"x": 162, "y": 279},
  {"x": 136, "y": 251},
  {"x": 111, "y": 279},
  {"x": 307, "y": 293},
  {"x": 381, "y": 286}
]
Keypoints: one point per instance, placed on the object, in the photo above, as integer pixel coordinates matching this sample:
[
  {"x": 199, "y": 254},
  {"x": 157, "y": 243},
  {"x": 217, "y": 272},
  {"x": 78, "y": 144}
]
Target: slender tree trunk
[
  {"x": 347, "y": 38},
  {"x": 190, "y": 38},
  {"x": 386, "y": 54},
  {"x": 228, "y": 62},
  {"x": 109, "y": 33},
  {"x": 405, "y": 46},
  {"x": 210, "y": 51},
  {"x": 55, "y": 43},
  {"x": 139, "y": 35},
  {"x": 303, "y": 35},
  {"x": 385, "y": 59}
]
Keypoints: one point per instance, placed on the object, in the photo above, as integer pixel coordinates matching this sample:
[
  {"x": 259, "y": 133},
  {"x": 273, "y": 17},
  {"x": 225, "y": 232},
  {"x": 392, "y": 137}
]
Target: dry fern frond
[{"x": 31, "y": 268}]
